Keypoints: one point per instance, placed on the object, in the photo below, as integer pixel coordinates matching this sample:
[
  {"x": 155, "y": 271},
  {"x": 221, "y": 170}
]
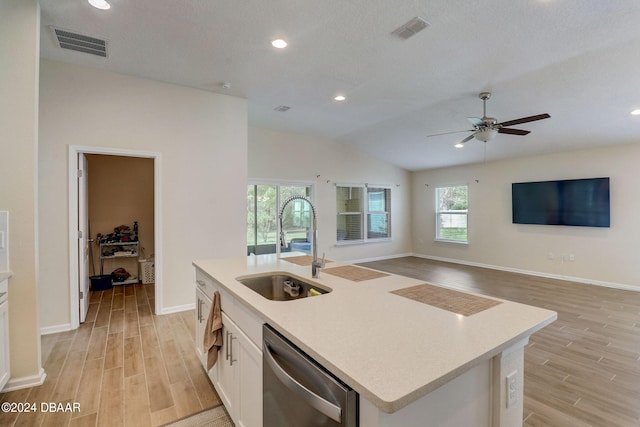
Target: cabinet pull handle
[
  {"x": 200, "y": 316},
  {"x": 231, "y": 359},
  {"x": 201, "y": 283},
  {"x": 228, "y": 345}
]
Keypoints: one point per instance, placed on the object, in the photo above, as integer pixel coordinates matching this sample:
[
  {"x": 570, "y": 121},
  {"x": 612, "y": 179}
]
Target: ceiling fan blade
[
  {"x": 476, "y": 121},
  {"x": 449, "y": 133},
  {"x": 514, "y": 131},
  {"x": 467, "y": 139},
  {"x": 525, "y": 120}
]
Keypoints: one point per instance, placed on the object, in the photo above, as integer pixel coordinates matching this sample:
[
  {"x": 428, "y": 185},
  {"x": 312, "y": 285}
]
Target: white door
[{"x": 83, "y": 237}]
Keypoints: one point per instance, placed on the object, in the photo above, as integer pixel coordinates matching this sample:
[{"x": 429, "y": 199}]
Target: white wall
[
  {"x": 294, "y": 157},
  {"x": 202, "y": 139},
  {"x": 602, "y": 255},
  {"x": 19, "y": 56}
]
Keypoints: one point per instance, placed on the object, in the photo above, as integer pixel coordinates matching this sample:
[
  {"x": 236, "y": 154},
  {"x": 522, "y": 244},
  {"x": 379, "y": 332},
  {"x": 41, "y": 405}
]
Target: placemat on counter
[
  {"x": 301, "y": 260},
  {"x": 447, "y": 299},
  {"x": 354, "y": 273}
]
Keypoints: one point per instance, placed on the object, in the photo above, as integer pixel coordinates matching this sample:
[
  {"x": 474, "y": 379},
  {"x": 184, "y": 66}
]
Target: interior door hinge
[
  {"x": 79, "y": 234},
  {"x": 80, "y": 173},
  {"x": 81, "y": 295}
]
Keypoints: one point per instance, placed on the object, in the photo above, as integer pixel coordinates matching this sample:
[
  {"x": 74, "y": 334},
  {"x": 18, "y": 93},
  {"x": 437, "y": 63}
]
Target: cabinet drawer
[
  {"x": 208, "y": 286},
  {"x": 250, "y": 323},
  {"x": 243, "y": 316}
]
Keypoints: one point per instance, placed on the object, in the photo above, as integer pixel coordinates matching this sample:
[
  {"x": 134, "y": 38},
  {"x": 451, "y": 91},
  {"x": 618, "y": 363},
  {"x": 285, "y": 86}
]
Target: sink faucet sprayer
[{"x": 283, "y": 242}]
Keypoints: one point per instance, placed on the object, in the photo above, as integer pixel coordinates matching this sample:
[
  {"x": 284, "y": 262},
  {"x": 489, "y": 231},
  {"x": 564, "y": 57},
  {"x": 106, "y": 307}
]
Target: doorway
[{"x": 123, "y": 178}]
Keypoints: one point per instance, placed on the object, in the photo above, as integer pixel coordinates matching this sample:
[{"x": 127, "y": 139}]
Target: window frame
[
  {"x": 364, "y": 214},
  {"x": 439, "y": 212},
  {"x": 281, "y": 183}
]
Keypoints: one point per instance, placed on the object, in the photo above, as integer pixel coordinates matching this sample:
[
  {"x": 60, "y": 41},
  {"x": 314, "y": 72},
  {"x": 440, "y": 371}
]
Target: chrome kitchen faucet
[{"x": 283, "y": 241}]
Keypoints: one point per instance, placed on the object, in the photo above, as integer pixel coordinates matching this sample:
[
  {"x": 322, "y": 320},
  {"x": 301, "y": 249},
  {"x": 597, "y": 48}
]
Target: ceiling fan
[{"x": 486, "y": 128}]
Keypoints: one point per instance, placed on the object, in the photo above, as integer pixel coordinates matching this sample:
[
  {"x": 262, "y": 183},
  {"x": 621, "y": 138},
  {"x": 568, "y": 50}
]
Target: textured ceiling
[{"x": 578, "y": 60}]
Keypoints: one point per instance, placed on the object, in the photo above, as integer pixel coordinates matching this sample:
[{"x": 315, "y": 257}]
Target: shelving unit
[{"x": 124, "y": 251}]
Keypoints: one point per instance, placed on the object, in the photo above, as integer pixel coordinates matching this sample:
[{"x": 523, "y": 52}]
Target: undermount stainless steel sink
[{"x": 281, "y": 287}]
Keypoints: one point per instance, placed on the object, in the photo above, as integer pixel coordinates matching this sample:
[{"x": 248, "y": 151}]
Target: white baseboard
[
  {"x": 25, "y": 382},
  {"x": 379, "y": 258},
  {"x": 178, "y": 308},
  {"x": 46, "y": 330},
  {"x": 509, "y": 269},
  {"x": 534, "y": 273}
]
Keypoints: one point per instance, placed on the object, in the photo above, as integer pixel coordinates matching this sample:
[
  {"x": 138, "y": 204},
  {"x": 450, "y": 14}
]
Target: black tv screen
[{"x": 576, "y": 202}]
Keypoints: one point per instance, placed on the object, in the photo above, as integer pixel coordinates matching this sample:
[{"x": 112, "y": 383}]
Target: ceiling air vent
[
  {"x": 412, "y": 27},
  {"x": 80, "y": 42}
]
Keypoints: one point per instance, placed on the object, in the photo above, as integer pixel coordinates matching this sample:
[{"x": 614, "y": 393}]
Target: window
[
  {"x": 451, "y": 213},
  {"x": 361, "y": 208},
  {"x": 263, "y": 208},
  {"x": 379, "y": 204}
]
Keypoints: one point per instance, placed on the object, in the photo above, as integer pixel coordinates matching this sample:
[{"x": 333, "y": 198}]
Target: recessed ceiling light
[
  {"x": 279, "y": 44},
  {"x": 635, "y": 112},
  {"x": 459, "y": 145},
  {"x": 339, "y": 98},
  {"x": 100, "y": 4}
]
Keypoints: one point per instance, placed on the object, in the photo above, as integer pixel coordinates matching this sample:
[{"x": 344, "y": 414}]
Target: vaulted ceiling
[{"x": 578, "y": 60}]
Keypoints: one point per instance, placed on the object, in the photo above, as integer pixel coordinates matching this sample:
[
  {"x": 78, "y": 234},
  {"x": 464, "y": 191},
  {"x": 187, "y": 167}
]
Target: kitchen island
[{"x": 411, "y": 362}]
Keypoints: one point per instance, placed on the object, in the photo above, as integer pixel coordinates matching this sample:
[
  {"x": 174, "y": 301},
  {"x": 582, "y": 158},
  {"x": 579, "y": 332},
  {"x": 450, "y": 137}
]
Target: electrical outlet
[
  {"x": 512, "y": 388},
  {"x": 572, "y": 257},
  {"x": 551, "y": 256}
]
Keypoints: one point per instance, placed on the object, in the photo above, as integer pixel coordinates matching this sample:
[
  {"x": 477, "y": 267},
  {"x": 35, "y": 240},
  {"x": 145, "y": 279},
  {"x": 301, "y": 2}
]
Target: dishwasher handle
[{"x": 324, "y": 406}]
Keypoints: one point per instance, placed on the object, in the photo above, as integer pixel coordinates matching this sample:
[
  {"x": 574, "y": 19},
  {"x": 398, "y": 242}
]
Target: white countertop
[{"x": 390, "y": 349}]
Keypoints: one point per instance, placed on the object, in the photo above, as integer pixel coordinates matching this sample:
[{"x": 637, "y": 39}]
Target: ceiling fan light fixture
[
  {"x": 459, "y": 145},
  {"x": 485, "y": 135},
  {"x": 636, "y": 112},
  {"x": 100, "y": 4}
]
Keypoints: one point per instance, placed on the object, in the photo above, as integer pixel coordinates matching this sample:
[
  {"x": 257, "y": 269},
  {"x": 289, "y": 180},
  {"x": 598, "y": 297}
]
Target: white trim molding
[
  {"x": 25, "y": 382},
  {"x": 509, "y": 269},
  {"x": 178, "y": 308},
  {"x": 48, "y": 330},
  {"x": 535, "y": 273},
  {"x": 74, "y": 150}
]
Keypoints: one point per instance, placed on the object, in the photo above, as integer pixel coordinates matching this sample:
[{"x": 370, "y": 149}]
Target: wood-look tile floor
[
  {"x": 583, "y": 369},
  {"x": 124, "y": 366}
]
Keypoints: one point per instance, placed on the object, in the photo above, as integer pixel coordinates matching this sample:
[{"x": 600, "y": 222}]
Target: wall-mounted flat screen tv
[{"x": 577, "y": 202}]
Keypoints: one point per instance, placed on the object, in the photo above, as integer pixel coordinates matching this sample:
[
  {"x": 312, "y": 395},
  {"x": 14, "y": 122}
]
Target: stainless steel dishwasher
[{"x": 298, "y": 392}]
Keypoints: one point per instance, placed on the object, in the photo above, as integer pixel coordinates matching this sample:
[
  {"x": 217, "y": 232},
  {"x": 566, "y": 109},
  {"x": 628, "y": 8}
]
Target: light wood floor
[
  {"x": 583, "y": 369},
  {"x": 124, "y": 366}
]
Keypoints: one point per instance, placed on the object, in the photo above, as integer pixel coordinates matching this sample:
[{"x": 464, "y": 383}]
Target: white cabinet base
[
  {"x": 476, "y": 398},
  {"x": 464, "y": 401},
  {"x": 237, "y": 375}
]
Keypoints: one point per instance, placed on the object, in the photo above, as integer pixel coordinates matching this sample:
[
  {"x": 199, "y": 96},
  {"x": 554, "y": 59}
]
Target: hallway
[{"x": 124, "y": 366}]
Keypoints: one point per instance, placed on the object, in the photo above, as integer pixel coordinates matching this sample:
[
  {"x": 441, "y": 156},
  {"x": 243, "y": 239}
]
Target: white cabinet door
[
  {"x": 4, "y": 342},
  {"x": 237, "y": 375},
  {"x": 250, "y": 383},
  {"x": 203, "y": 306},
  {"x": 226, "y": 381}
]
